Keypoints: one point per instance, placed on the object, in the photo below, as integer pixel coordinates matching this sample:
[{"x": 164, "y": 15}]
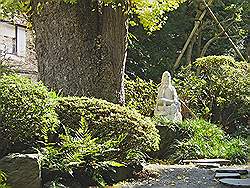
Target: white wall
[
  {"x": 7, "y": 37},
  {"x": 12, "y": 41},
  {"x": 7, "y": 30}
]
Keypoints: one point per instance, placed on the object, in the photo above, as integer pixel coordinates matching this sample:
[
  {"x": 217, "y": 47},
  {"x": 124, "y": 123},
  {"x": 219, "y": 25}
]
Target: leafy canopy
[{"x": 150, "y": 13}]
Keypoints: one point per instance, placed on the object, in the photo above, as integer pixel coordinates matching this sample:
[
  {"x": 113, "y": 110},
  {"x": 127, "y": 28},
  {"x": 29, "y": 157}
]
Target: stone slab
[
  {"x": 220, "y": 161},
  {"x": 207, "y": 165},
  {"x": 232, "y": 170},
  {"x": 22, "y": 170},
  {"x": 236, "y": 182},
  {"x": 227, "y": 175}
]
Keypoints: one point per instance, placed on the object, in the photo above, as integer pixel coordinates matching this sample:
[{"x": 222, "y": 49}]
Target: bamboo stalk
[
  {"x": 196, "y": 26},
  {"x": 223, "y": 30}
]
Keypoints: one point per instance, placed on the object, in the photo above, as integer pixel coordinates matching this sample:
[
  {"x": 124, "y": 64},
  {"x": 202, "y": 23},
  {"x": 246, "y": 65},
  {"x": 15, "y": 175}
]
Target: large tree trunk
[{"x": 81, "y": 48}]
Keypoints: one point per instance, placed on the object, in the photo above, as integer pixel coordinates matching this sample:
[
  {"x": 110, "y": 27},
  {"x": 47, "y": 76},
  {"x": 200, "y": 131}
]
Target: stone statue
[{"x": 167, "y": 103}]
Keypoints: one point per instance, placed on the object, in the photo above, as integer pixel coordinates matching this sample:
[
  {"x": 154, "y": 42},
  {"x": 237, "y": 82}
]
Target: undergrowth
[
  {"x": 80, "y": 155},
  {"x": 3, "y": 179},
  {"x": 206, "y": 140}
]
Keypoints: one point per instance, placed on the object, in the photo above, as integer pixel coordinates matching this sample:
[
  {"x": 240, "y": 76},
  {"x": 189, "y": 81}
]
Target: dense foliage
[
  {"x": 79, "y": 154},
  {"x": 210, "y": 141},
  {"x": 201, "y": 139},
  {"x": 4, "y": 68},
  {"x": 140, "y": 95},
  {"x": 217, "y": 88},
  {"x": 26, "y": 113},
  {"x": 150, "y": 13},
  {"x": 150, "y": 55},
  {"x": 110, "y": 121},
  {"x": 3, "y": 180}
]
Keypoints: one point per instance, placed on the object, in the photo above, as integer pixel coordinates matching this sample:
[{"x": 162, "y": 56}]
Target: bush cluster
[
  {"x": 94, "y": 132},
  {"x": 170, "y": 133},
  {"x": 29, "y": 114},
  {"x": 26, "y": 113},
  {"x": 204, "y": 140},
  {"x": 109, "y": 121},
  {"x": 4, "y": 68},
  {"x": 141, "y": 95},
  {"x": 79, "y": 154},
  {"x": 217, "y": 89}
]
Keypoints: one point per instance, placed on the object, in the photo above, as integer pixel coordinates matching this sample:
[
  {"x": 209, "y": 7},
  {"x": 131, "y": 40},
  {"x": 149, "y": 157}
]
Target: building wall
[
  {"x": 7, "y": 38},
  {"x": 17, "y": 46}
]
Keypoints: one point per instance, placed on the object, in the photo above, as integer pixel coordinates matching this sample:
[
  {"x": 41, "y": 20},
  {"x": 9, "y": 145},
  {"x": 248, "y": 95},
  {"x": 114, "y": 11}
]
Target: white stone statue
[{"x": 167, "y": 103}]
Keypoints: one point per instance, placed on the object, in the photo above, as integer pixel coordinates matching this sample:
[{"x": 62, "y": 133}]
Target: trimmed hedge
[
  {"x": 216, "y": 88},
  {"x": 141, "y": 95},
  {"x": 109, "y": 121},
  {"x": 26, "y": 113}
]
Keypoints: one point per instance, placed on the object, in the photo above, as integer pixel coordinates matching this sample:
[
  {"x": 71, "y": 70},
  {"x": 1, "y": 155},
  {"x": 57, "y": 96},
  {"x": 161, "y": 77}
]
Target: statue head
[{"x": 166, "y": 78}]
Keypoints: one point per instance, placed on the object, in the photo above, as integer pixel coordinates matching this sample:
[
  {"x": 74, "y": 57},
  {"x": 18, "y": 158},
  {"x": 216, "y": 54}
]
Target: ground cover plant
[
  {"x": 82, "y": 157},
  {"x": 210, "y": 141},
  {"x": 205, "y": 140}
]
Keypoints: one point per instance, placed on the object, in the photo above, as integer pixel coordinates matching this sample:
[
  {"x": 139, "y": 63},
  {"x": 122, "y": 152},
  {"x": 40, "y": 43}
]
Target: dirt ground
[{"x": 179, "y": 176}]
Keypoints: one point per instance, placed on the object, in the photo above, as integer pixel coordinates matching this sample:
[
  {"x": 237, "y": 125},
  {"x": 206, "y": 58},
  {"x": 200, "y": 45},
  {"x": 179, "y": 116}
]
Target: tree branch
[
  {"x": 225, "y": 33},
  {"x": 196, "y": 26},
  {"x": 209, "y": 42}
]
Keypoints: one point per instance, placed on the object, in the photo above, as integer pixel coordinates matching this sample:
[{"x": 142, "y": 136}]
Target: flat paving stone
[
  {"x": 227, "y": 175},
  {"x": 236, "y": 182},
  {"x": 207, "y": 165},
  {"x": 232, "y": 170},
  {"x": 220, "y": 161}
]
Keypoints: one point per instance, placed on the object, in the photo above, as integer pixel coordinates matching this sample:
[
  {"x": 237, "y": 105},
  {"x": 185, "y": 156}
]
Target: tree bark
[
  {"x": 81, "y": 48},
  {"x": 190, "y": 50}
]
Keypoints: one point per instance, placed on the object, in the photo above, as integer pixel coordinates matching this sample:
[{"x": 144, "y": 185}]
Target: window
[{"x": 12, "y": 39}]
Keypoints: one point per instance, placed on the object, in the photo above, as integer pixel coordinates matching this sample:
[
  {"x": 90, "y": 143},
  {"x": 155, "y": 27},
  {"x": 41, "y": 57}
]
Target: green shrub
[
  {"x": 78, "y": 152},
  {"x": 217, "y": 89},
  {"x": 110, "y": 121},
  {"x": 140, "y": 95},
  {"x": 26, "y": 113},
  {"x": 3, "y": 180},
  {"x": 4, "y": 68},
  {"x": 195, "y": 139},
  {"x": 171, "y": 133},
  {"x": 207, "y": 140}
]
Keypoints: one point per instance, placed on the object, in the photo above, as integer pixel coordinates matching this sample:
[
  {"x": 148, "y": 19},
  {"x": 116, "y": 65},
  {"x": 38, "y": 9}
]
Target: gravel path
[{"x": 179, "y": 176}]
